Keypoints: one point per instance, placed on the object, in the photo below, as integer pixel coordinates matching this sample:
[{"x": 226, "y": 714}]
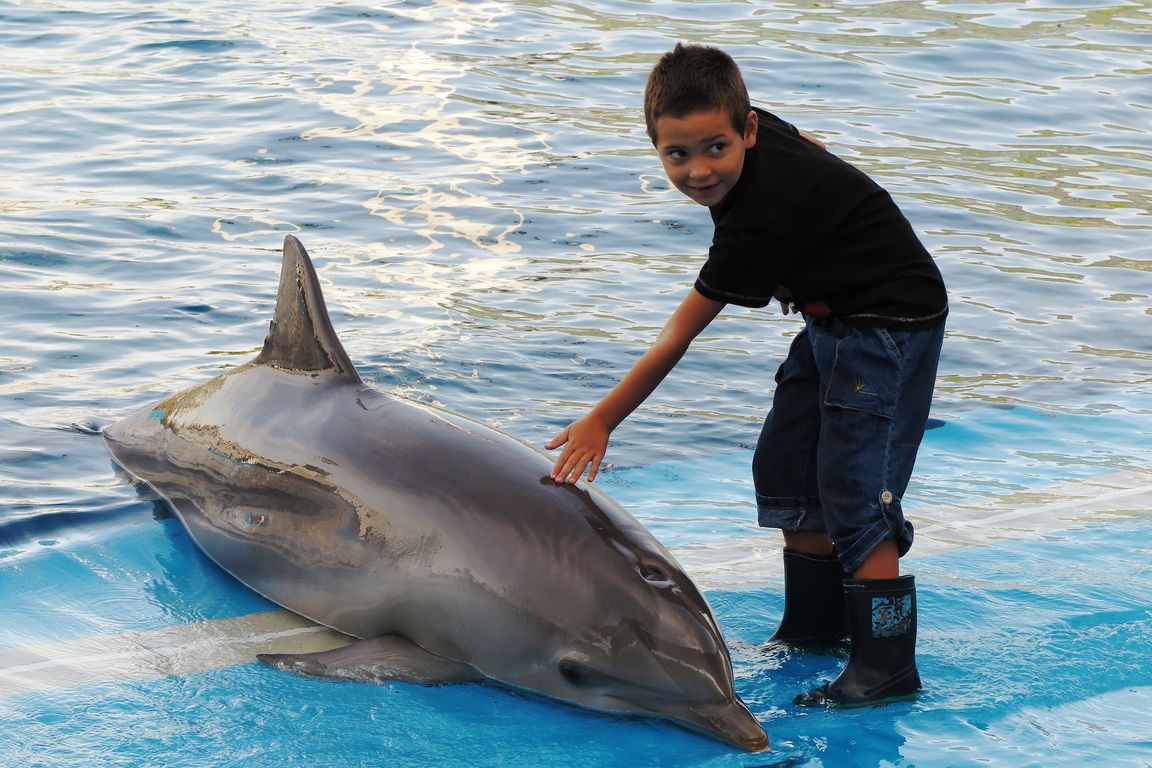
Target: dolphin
[{"x": 440, "y": 543}]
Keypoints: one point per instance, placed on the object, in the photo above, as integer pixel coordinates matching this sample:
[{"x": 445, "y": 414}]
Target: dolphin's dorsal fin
[{"x": 301, "y": 337}]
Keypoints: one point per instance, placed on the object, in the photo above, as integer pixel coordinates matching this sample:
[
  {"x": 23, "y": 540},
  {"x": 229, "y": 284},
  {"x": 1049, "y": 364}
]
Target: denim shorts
[{"x": 839, "y": 444}]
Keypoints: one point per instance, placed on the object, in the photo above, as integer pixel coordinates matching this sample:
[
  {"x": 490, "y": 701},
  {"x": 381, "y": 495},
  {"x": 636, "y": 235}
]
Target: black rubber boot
[
  {"x": 882, "y": 664},
  {"x": 814, "y": 611}
]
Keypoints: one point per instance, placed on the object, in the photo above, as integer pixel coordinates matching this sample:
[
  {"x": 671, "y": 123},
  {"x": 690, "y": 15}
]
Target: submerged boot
[
  {"x": 814, "y": 612},
  {"x": 882, "y": 664}
]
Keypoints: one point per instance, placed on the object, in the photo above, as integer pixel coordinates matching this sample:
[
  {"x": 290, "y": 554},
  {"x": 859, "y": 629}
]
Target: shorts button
[{"x": 886, "y": 497}]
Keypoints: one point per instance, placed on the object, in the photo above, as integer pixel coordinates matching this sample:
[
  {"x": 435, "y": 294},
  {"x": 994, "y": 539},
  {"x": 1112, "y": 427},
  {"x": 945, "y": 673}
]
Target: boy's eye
[
  {"x": 718, "y": 147},
  {"x": 676, "y": 154}
]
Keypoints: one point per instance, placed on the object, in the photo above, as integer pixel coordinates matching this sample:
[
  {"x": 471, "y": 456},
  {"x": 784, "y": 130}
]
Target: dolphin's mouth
[
  {"x": 723, "y": 716},
  {"x": 731, "y": 721}
]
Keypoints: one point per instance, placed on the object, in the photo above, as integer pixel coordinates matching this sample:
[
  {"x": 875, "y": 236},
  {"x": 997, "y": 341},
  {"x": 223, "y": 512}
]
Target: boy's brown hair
[{"x": 694, "y": 78}]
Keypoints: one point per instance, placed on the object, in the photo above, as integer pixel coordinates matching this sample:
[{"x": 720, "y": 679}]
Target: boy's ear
[{"x": 750, "y": 129}]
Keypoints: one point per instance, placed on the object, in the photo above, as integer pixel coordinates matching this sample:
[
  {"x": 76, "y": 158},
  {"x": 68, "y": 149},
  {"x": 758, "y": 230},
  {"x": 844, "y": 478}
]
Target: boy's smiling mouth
[{"x": 704, "y": 191}]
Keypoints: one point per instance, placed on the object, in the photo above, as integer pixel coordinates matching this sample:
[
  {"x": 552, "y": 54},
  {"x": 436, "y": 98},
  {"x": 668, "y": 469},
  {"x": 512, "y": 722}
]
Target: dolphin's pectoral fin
[{"x": 388, "y": 657}]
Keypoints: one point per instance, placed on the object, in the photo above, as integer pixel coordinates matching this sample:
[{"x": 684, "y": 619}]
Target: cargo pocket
[{"x": 866, "y": 372}]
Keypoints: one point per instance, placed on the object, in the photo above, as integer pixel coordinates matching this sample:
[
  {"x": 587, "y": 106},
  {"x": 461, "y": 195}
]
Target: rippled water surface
[{"x": 494, "y": 235}]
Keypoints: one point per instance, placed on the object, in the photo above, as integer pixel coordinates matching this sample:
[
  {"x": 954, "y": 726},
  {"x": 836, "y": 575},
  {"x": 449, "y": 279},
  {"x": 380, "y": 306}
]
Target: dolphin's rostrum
[{"x": 441, "y": 543}]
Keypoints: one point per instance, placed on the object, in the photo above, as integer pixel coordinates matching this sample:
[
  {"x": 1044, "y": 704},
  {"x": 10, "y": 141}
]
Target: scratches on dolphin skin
[
  {"x": 311, "y": 471},
  {"x": 188, "y": 399},
  {"x": 226, "y": 457},
  {"x": 417, "y": 550}
]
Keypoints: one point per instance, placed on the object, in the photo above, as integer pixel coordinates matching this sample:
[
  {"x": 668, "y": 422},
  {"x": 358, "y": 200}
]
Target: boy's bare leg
[
  {"x": 883, "y": 563},
  {"x": 813, "y": 543}
]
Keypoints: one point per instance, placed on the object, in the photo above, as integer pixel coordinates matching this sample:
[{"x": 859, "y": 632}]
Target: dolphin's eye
[
  {"x": 653, "y": 573},
  {"x": 572, "y": 671}
]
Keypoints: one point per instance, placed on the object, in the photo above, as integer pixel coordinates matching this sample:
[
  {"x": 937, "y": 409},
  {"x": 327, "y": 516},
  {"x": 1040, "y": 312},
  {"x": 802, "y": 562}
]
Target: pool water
[{"x": 494, "y": 236}]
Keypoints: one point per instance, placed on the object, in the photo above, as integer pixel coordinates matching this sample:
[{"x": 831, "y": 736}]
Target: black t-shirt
[{"x": 802, "y": 223}]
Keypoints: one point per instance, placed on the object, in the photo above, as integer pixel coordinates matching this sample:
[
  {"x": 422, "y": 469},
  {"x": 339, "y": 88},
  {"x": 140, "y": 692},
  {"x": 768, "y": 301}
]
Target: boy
[{"x": 795, "y": 223}]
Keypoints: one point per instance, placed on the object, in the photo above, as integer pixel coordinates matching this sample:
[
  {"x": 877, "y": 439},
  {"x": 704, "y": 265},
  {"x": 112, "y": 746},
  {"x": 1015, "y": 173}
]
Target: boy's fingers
[
  {"x": 570, "y": 467},
  {"x": 558, "y": 441},
  {"x": 564, "y": 465},
  {"x": 559, "y": 468},
  {"x": 565, "y": 455},
  {"x": 573, "y": 473},
  {"x": 579, "y": 470},
  {"x": 576, "y": 469},
  {"x": 589, "y": 461},
  {"x": 595, "y": 469}
]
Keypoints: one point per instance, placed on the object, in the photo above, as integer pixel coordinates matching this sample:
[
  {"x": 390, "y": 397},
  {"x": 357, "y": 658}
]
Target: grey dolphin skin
[{"x": 441, "y": 543}]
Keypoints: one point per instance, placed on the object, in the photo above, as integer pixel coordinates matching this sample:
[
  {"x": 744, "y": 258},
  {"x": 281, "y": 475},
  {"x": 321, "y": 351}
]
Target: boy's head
[
  {"x": 700, "y": 121},
  {"x": 695, "y": 78}
]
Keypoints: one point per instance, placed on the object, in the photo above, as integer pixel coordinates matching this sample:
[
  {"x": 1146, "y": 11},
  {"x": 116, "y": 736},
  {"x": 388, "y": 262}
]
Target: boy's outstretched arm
[{"x": 586, "y": 440}]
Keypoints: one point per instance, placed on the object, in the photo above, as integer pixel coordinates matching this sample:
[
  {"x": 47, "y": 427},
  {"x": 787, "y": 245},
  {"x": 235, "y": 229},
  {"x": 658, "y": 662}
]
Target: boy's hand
[{"x": 585, "y": 442}]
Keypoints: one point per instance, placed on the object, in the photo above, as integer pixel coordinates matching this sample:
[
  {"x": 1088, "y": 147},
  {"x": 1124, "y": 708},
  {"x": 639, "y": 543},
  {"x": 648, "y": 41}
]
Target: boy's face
[{"x": 702, "y": 153}]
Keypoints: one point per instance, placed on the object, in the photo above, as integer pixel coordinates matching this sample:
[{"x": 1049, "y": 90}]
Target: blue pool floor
[{"x": 1034, "y": 651}]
